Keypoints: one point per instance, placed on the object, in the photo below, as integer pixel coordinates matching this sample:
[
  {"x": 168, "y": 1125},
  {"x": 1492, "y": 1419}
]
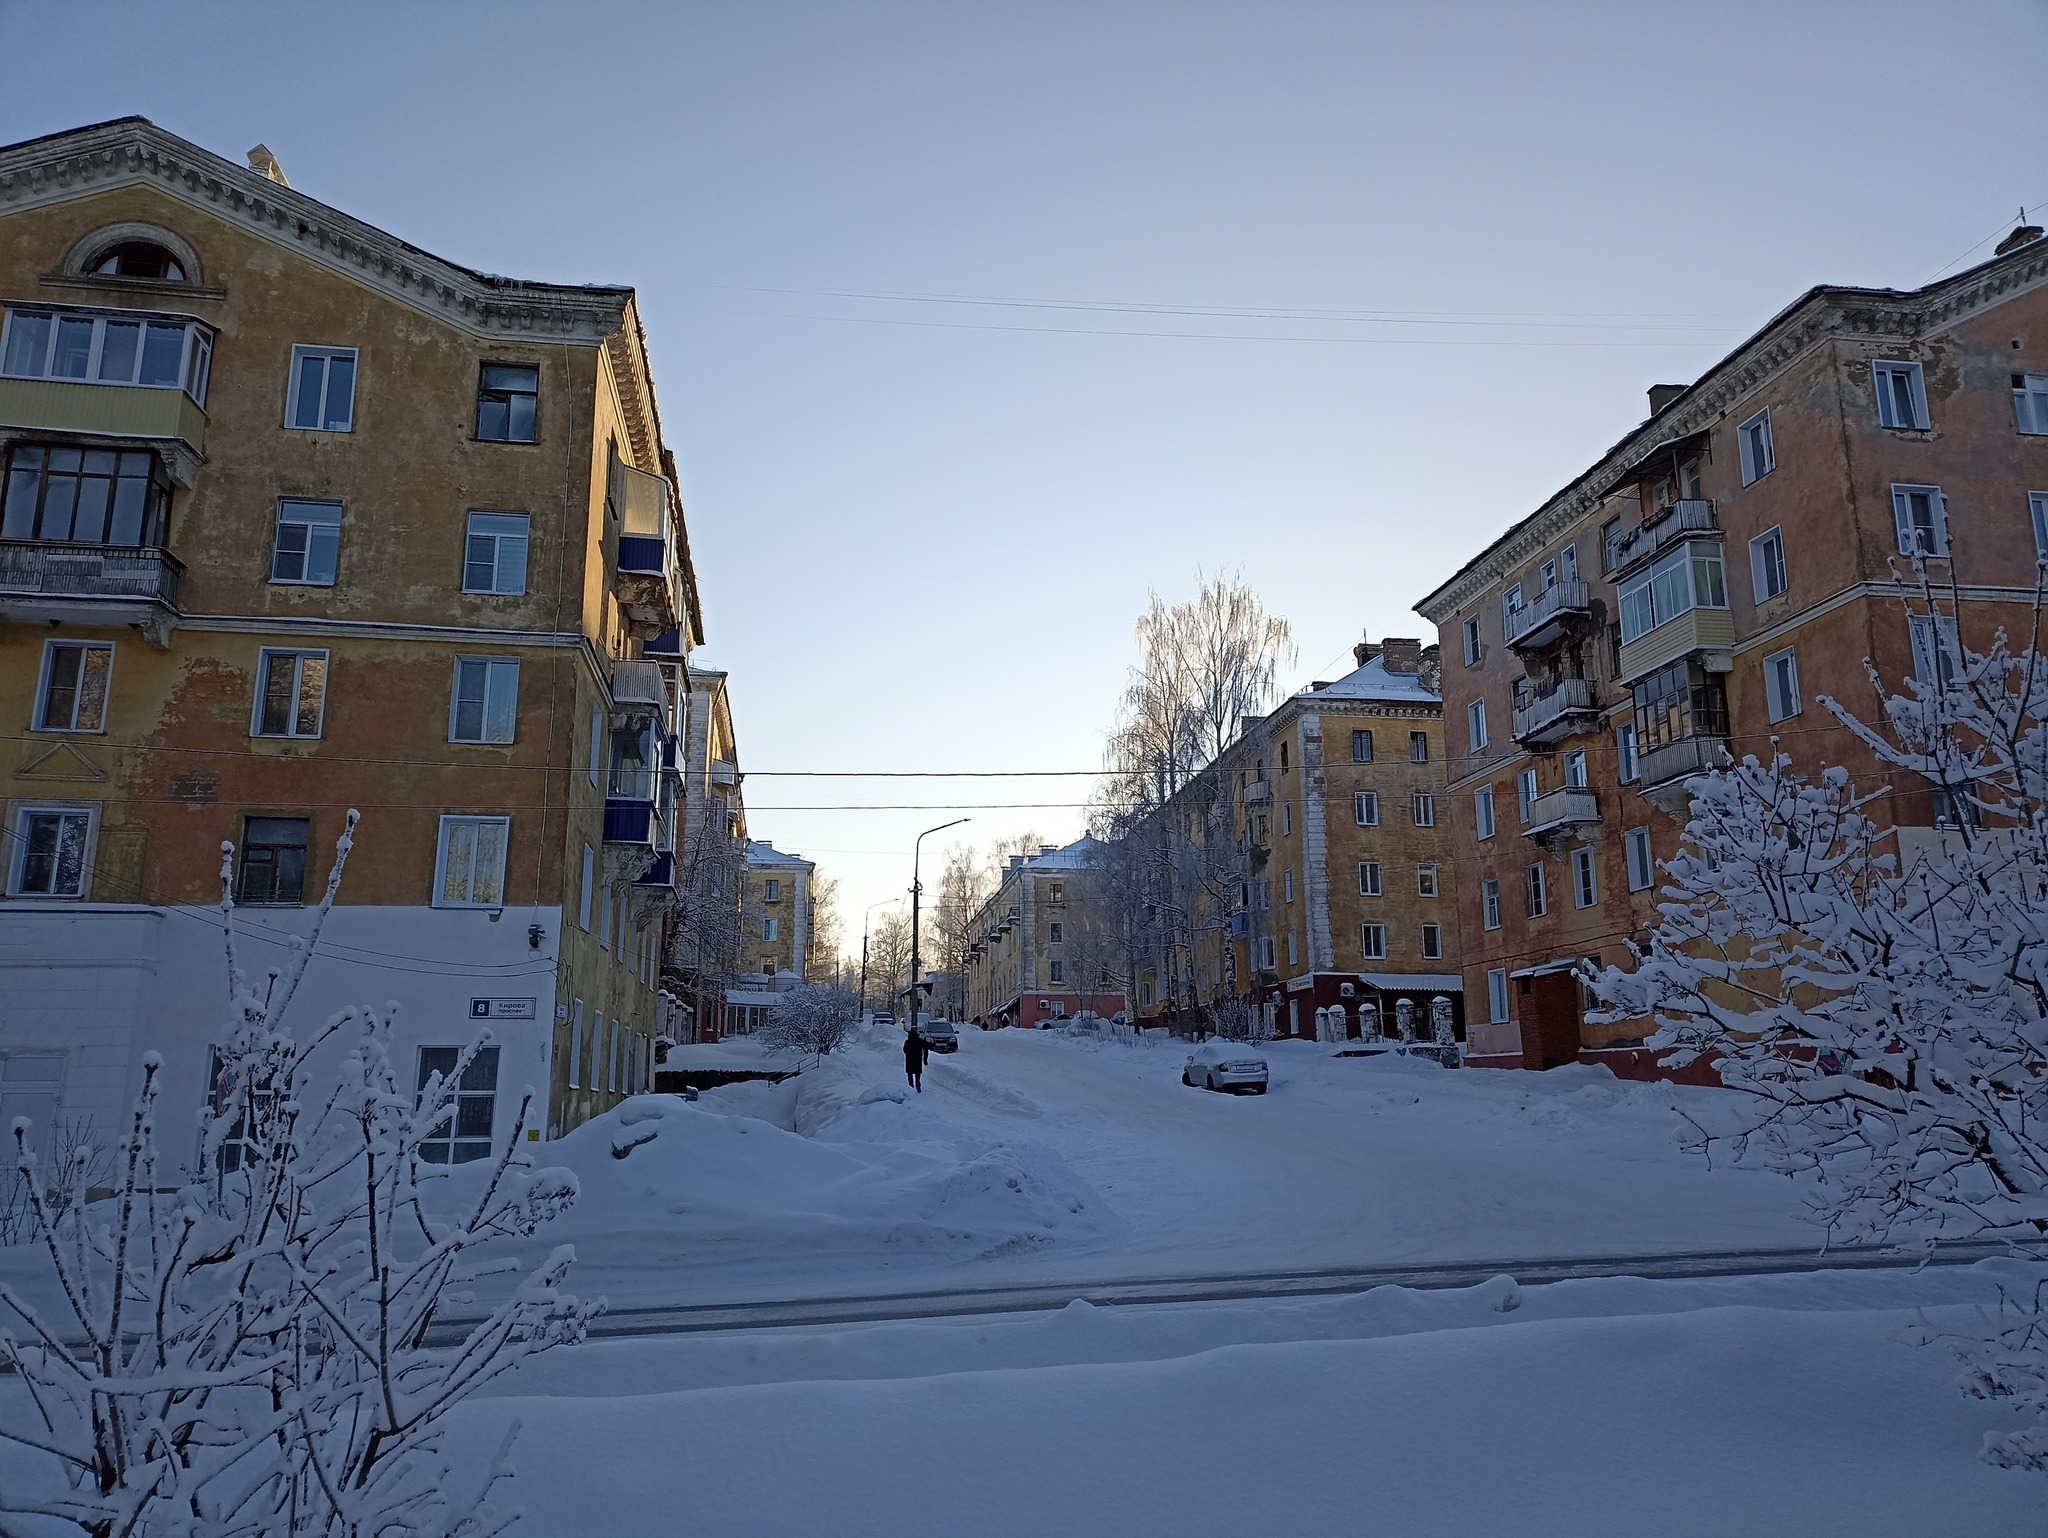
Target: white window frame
[
  {"x": 1489, "y": 904},
  {"x": 493, "y": 1055},
  {"x": 2037, "y": 511},
  {"x": 589, "y": 894},
  {"x": 1536, "y": 889},
  {"x": 1432, "y": 940},
  {"x": 449, "y": 823},
  {"x": 1642, "y": 862},
  {"x": 1759, "y": 453},
  {"x": 40, "y": 721},
  {"x": 1510, "y": 605},
  {"x": 1475, "y": 724},
  {"x": 1908, "y": 530},
  {"x": 1418, "y": 747},
  {"x": 321, "y": 534},
  {"x": 1768, "y": 576},
  {"x": 1287, "y": 884},
  {"x": 1527, "y": 789},
  {"x": 500, "y": 685},
  {"x": 1426, "y": 883},
  {"x": 1497, "y": 995},
  {"x": 1705, "y": 587},
  {"x": 18, "y": 815},
  {"x": 195, "y": 353},
  {"x": 1568, "y": 562},
  {"x": 1575, "y": 769},
  {"x": 480, "y": 526},
  {"x": 1292, "y": 958},
  {"x": 1625, "y": 752},
  {"x": 604, "y": 916},
  {"x": 1369, "y": 879},
  {"x": 1781, "y": 684},
  {"x": 1423, "y": 808},
  {"x": 1361, "y": 738},
  {"x": 1474, "y": 650},
  {"x": 1372, "y": 941},
  {"x": 1287, "y": 819},
  {"x": 2030, "y": 404},
  {"x": 302, "y": 354},
  {"x": 1585, "y": 879},
  {"x": 769, "y": 930},
  {"x": 265, "y": 662},
  {"x": 1882, "y": 374},
  {"x": 771, "y": 890},
  {"x": 1937, "y": 650},
  {"x": 1365, "y": 807},
  {"x": 1483, "y": 822}
]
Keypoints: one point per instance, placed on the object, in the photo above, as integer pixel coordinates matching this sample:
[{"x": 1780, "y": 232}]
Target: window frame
[
  {"x": 153, "y": 517},
  {"x": 1903, "y": 527},
  {"x": 471, "y": 533},
  {"x": 485, "y": 390},
  {"x": 1489, "y": 904},
  {"x": 1882, "y": 371},
  {"x": 2030, "y": 399},
  {"x": 1371, "y": 879},
  {"x": 1781, "y": 671},
  {"x": 39, "y": 710},
  {"x": 1475, "y": 649},
  {"x": 1484, "y": 822},
  {"x": 576, "y": 1044},
  {"x": 18, "y": 815},
  {"x": 1431, "y": 939},
  {"x": 331, "y": 546},
  {"x": 1497, "y": 995},
  {"x": 1422, "y": 808},
  {"x": 1418, "y": 747},
  {"x": 1536, "y": 888},
  {"x": 1756, "y": 447},
  {"x": 1372, "y": 940},
  {"x": 484, "y": 1056},
  {"x": 1362, "y": 803},
  {"x": 1427, "y": 881},
  {"x": 1636, "y": 599},
  {"x": 1769, "y": 576},
  {"x": 304, "y": 353},
  {"x": 494, "y": 667},
  {"x": 1625, "y": 759},
  {"x": 1585, "y": 879},
  {"x": 1642, "y": 859},
  {"x": 248, "y": 842},
  {"x": 2037, "y": 512},
  {"x": 195, "y": 350},
  {"x": 1475, "y": 725},
  {"x": 1528, "y": 789},
  {"x": 1361, "y": 739},
  {"x": 1575, "y": 770},
  {"x": 448, "y": 822},
  {"x": 300, "y": 655}
]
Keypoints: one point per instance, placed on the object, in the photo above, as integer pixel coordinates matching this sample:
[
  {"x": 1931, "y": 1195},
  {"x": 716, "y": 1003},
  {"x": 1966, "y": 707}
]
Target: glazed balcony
[
  {"x": 650, "y": 584},
  {"x": 1564, "y": 712},
  {"x": 108, "y": 376},
  {"x": 43, "y": 581},
  {"x": 1694, "y": 632},
  {"x": 1558, "y": 611},
  {"x": 1555, "y": 813}
]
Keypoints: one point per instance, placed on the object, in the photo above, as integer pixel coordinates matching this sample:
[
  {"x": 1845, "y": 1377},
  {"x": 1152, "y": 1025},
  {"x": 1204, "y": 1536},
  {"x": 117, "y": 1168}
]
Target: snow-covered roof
[
  {"x": 1374, "y": 682},
  {"x": 1415, "y": 982},
  {"x": 761, "y": 852}
]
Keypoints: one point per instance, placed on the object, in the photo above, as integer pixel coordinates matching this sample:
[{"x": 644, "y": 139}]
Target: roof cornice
[
  {"x": 1820, "y": 316},
  {"x": 135, "y": 152}
]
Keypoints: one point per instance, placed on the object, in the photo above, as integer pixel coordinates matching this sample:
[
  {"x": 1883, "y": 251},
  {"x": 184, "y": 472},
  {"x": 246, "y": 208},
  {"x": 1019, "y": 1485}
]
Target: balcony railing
[
  {"x": 1559, "y": 811},
  {"x": 1563, "y": 712},
  {"x": 1555, "y": 611},
  {"x": 1691, "y": 515},
  {"x": 1258, "y": 792},
  {"x": 90, "y": 584},
  {"x": 1672, "y": 763}
]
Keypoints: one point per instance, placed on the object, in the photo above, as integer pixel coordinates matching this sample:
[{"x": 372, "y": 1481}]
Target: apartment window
[
  {"x": 1475, "y": 724},
  {"x": 1753, "y": 439},
  {"x": 1056, "y": 891},
  {"x": 2037, "y": 508},
  {"x": 1056, "y": 970},
  {"x": 1482, "y": 811},
  {"x": 470, "y": 871},
  {"x": 1418, "y": 747},
  {"x": 1365, "y": 808},
  {"x": 494, "y": 554},
  {"x": 1642, "y": 869},
  {"x": 1489, "y": 903},
  {"x": 1266, "y": 953},
  {"x": 1610, "y": 537},
  {"x": 1781, "y": 684},
  {"x": 1473, "y": 652},
  {"x": 1287, "y": 818},
  {"x": 1525, "y": 790},
  {"x": 1056, "y": 932},
  {"x": 1510, "y": 606},
  {"x": 486, "y": 702},
  {"x": 2030, "y": 402},
  {"x": 1921, "y": 513},
  {"x": 52, "y": 851},
  {"x": 576, "y": 1045},
  {"x": 1954, "y": 808},
  {"x": 323, "y": 391},
  {"x": 1767, "y": 565},
  {"x": 1372, "y": 942},
  {"x": 771, "y": 890},
  {"x": 110, "y": 349},
  {"x": 1432, "y": 942},
  {"x": 466, "y": 1134},
  {"x": 1425, "y": 809},
  {"x": 273, "y": 860},
  {"x": 597, "y": 746},
  {"x": 589, "y": 892},
  {"x": 1368, "y": 878},
  {"x": 307, "y": 547},
  {"x": 72, "y": 694},
  {"x": 1937, "y": 654},
  {"x": 604, "y": 917},
  {"x": 1361, "y": 747},
  {"x": 85, "y": 496},
  {"x": 1690, "y": 577},
  {"x": 1679, "y": 701},
  {"x": 1497, "y": 995},
  {"x": 1548, "y": 573},
  {"x": 1568, "y": 562},
  {"x": 770, "y": 930},
  {"x": 506, "y": 400},
  {"x": 1287, "y": 885},
  {"x": 1291, "y": 957},
  {"x": 1585, "y": 888},
  {"x": 1625, "y": 751},
  {"x": 1425, "y": 879},
  {"x": 1539, "y": 894},
  {"x": 1575, "y": 769},
  {"x": 1901, "y": 394},
  {"x": 291, "y": 693}
]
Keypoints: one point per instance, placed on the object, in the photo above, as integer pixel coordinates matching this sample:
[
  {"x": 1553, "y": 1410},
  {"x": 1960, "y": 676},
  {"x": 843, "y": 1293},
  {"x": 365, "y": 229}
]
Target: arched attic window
[
  {"x": 137, "y": 259},
  {"x": 143, "y": 252}
]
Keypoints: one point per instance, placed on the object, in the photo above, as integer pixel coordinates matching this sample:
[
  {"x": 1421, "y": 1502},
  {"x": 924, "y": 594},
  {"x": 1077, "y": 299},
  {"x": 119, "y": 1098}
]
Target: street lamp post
[
  {"x": 916, "y": 889},
  {"x": 864, "y": 948}
]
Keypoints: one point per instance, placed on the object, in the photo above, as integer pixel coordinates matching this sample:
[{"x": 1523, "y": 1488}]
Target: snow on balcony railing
[{"x": 1552, "y": 604}]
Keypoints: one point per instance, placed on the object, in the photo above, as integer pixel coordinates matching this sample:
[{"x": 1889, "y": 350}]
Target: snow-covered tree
[
  {"x": 1882, "y": 1014},
  {"x": 812, "y": 1018},
  {"x": 269, "y": 1349}
]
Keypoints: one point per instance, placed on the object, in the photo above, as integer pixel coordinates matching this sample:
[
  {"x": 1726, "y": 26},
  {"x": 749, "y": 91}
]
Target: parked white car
[{"x": 1220, "y": 1064}]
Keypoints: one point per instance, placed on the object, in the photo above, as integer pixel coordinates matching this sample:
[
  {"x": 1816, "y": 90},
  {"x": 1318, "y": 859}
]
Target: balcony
[
  {"x": 1710, "y": 631},
  {"x": 1665, "y": 768},
  {"x": 1258, "y": 793},
  {"x": 1556, "y": 612},
  {"x": 649, "y": 577},
  {"x": 1691, "y": 515},
  {"x": 1561, "y": 811},
  {"x": 1564, "y": 712},
  {"x": 45, "y": 580}
]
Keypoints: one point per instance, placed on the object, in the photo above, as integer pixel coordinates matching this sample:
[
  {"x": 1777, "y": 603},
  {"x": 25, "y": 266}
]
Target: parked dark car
[{"x": 940, "y": 1035}]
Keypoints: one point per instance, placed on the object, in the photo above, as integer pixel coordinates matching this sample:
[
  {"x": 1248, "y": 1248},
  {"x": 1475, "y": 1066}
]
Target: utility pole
[
  {"x": 864, "y": 948},
  {"x": 916, "y": 888}
]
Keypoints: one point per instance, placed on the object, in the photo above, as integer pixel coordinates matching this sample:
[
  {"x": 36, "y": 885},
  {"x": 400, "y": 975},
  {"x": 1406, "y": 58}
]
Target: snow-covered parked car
[
  {"x": 1220, "y": 1064},
  {"x": 940, "y": 1035}
]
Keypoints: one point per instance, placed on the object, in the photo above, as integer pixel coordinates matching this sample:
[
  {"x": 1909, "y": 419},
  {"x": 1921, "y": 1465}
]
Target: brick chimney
[
  {"x": 1365, "y": 651},
  {"x": 1663, "y": 395},
  {"x": 1432, "y": 671},
  {"x": 1401, "y": 654},
  {"x": 2024, "y": 235}
]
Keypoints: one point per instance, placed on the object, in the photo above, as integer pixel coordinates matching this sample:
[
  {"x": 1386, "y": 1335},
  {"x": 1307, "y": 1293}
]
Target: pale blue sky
[{"x": 923, "y": 529}]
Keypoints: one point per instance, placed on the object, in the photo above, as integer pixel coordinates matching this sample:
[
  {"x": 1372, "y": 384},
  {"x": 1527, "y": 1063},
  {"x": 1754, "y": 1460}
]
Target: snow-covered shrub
[
  {"x": 269, "y": 1349},
  {"x": 811, "y": 1018},
  {"x": 1883, "y": 1018}
]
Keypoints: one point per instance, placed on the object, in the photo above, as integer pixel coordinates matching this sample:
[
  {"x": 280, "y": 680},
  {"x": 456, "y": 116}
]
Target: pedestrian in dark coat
[{"x": 915, "y": 1050}]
